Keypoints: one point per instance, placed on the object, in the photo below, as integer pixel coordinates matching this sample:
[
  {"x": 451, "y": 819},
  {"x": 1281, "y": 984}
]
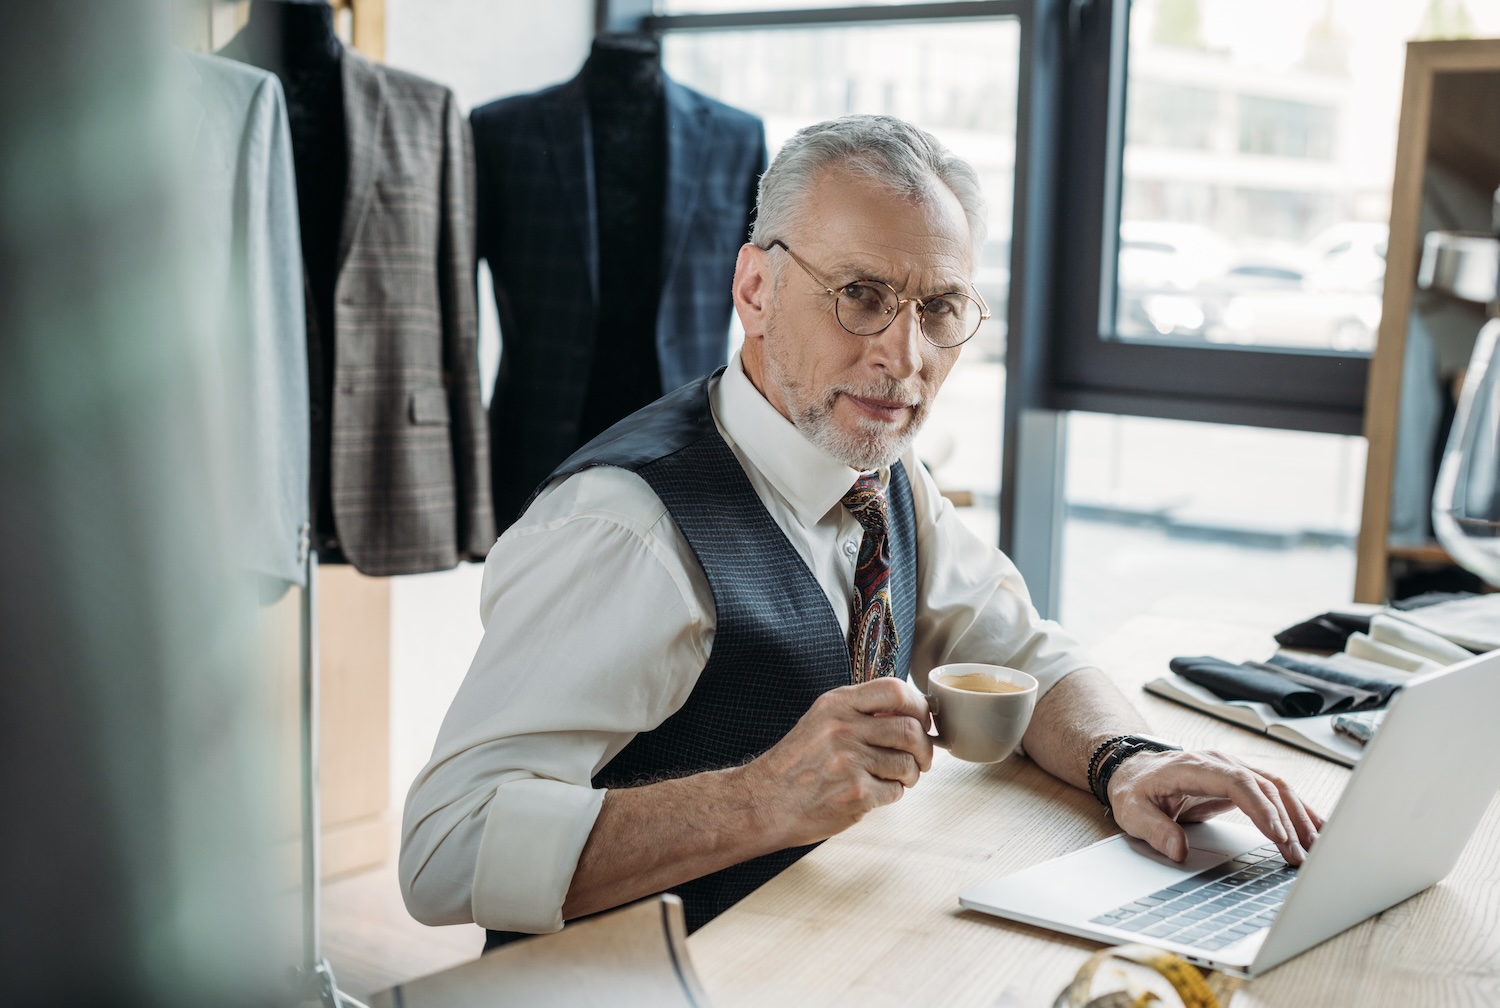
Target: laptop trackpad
[{"x": 1079, "y": 885}]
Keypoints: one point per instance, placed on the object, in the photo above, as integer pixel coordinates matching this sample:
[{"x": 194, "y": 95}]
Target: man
[{"x": 669, "y": 694}]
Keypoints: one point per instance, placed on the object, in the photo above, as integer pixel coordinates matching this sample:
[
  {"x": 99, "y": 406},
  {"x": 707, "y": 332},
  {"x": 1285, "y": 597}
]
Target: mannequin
[
  {"x": 295, "y": 40},
  {"x": 623, "y": 85},
  {"x": 611, "y": 208}
]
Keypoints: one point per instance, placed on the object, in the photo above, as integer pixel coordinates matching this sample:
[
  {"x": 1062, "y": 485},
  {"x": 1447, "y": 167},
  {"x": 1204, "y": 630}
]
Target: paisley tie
[{"x": 872, "y": 627}]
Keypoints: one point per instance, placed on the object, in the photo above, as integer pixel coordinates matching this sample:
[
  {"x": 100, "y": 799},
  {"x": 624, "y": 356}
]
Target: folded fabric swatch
[
  {"x": 1363, "y": 646},
  {"x": 1409, "y": 637},
  {"x": 1431, "y": 598},
  {"x": 1365, "y": 669},
  {"x": 1379, "y": 688},
  {"x": 1472, "y": 622},
  {"x": 1323, "y": 633},
  {"x": 1229, "y": 681},
  {"x": 1336, "y": 696}
]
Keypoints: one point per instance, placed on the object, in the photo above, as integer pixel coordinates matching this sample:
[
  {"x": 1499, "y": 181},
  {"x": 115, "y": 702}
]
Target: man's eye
[
  {"x": 944, "y": 307},
  {"x": 863, "y": 295}
]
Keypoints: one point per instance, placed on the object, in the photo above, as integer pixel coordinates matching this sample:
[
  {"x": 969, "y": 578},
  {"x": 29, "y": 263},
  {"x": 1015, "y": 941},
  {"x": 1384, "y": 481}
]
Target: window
[
  {"x": 1172, "y": 116},
  {"x": 1241, "y": 251},
  {"x": 1189, "y": 199},
  {"x": 956, "y": 78},
  {"x": 1253, "y": 183},
  {"x": 741, "y": 6},
  {"x": 1278, "y": 128}
]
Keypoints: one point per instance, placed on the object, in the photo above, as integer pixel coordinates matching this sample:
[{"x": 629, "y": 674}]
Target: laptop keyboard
[{"x": 1214, "y": 908}]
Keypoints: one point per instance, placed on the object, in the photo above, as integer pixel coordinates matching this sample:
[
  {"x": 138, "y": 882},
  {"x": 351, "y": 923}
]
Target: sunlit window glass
[
  {"x": 726, "y": 6},
  {"x": 1259, "y": 147},
  {"x": 955, "y": 79}
]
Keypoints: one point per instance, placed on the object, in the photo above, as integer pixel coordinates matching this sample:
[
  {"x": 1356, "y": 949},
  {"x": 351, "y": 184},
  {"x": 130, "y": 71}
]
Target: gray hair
[{"x": 882, "y": 148}]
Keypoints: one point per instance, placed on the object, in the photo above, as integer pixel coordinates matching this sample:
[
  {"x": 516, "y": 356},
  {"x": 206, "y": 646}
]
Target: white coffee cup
[{"x": 980, "y": 711}]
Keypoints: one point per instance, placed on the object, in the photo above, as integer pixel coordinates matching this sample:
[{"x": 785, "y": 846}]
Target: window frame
[
  {"x": 1088, "y": 368},
  {"x": 1069, "y": 143}
]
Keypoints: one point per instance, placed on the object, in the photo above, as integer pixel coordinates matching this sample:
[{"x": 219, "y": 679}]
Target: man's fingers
[
  {"x": 893, "y": 765},
  {"x": 885, "y": 695},
  {"x": 1291, "y": 847},
  {"x": 1304, "y": 822},
  {"x": 902, "y": 733},
  {"x": 1200, "y": 785},
  {"x": 1212, "y": 776}
]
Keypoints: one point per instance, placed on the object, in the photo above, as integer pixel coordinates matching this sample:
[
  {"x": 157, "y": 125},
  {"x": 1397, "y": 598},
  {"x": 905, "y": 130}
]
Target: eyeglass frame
[{"x": 921, "y": 303}]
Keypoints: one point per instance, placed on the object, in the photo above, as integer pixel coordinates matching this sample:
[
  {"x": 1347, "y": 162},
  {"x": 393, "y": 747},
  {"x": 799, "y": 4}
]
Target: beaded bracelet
[
  {"x": 1119, "y": 754},
  {"x": 1094, "y": 760},
  {"x": 1124, "y": 747}
]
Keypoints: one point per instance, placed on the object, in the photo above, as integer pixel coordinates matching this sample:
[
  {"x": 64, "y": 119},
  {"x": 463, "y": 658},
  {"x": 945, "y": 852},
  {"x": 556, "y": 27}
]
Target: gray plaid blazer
[
  {"x": 538, "y": 230},
  {"x": 409, "y": 453}
]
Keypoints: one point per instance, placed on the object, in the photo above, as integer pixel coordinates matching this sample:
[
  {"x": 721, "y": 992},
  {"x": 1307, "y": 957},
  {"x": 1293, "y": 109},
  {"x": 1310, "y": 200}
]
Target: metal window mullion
[
  {"x": 1091, "y": 369},
  {"x": 971, "y": 10},
  {"x": 1031, "y": 487}
]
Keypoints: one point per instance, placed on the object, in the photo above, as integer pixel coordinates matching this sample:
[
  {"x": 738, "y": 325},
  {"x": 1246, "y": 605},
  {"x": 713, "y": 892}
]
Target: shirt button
[{"x": 851, "y": 548}]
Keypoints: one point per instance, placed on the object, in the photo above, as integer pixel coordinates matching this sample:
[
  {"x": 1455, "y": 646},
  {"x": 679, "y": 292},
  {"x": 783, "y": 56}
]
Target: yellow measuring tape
[{"x": 1124, "y": 990}]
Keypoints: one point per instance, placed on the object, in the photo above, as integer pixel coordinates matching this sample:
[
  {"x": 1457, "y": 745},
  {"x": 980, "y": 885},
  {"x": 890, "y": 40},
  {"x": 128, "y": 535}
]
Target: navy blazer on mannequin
[{"x": 538, "y": 229}]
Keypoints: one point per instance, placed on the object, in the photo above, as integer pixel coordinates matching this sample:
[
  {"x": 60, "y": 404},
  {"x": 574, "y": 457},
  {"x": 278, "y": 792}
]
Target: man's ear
[{"x": 752, "y": 289}]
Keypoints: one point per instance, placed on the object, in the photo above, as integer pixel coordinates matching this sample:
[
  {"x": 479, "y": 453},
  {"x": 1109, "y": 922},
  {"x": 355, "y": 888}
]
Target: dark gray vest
[{"x": 777, "y": 643}]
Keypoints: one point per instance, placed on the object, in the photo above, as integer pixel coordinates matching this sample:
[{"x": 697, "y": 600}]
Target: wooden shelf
[{"x": 1427, "y": 553}]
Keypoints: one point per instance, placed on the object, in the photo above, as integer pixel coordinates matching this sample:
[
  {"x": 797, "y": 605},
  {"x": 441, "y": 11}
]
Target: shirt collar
[{"x": 808, "y": 478}]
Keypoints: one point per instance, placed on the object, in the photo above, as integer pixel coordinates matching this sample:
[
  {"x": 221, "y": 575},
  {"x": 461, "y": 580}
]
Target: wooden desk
[{"x": 872, "y": 918}]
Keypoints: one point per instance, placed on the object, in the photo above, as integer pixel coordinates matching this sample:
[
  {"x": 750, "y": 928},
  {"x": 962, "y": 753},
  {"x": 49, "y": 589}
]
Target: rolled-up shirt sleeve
[
  {"x": 595, "y": 631},
  {"x": 973, "y": 603}
]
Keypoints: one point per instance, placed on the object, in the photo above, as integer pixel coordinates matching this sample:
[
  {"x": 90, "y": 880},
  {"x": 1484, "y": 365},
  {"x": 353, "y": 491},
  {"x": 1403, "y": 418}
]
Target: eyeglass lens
[{"x": 947, "y": 320}]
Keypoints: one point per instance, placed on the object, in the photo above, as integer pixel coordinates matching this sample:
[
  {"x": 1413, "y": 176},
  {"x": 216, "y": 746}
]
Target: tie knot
[{"x": 866, "y": 503}]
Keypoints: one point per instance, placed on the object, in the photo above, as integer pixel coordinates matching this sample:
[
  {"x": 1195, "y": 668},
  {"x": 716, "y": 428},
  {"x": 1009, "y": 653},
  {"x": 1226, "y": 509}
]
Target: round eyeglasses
[{"x": 867, "y": 307}]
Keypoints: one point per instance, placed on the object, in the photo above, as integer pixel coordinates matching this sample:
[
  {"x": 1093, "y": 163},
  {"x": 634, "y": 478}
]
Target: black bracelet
[
  {"x": 1119, "y": 754},
  {"x": 1124, "y": 748},
  {"x": 1094, "y": 760}
]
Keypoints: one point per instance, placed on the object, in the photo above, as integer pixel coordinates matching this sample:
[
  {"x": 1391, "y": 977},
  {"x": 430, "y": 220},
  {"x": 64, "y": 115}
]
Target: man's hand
[
  {"x": 857, "y": 748},
  {"x": 1152, "y": 792}
]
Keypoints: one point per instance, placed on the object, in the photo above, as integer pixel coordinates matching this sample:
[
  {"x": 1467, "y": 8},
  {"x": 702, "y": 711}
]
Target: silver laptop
[{"x": 1421, "y": 787}]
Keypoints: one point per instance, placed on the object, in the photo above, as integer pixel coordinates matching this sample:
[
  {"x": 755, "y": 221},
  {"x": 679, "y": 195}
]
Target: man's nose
[{"x": 898, "y": 347}]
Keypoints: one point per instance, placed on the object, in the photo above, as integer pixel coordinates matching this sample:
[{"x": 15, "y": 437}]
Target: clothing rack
[{"x": 317, "y": 982}]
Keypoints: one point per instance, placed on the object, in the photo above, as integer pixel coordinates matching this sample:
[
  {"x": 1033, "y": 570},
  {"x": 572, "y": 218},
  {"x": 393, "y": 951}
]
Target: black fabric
[
  {"x": 627, "y": 119},
  {"x": 1337, "y": 697},
  {"x": 539, "y": 229},
  {"x": 296, "y": 41},
  {"x": 1229, "y": 681},
  {"x": 1382, "y": 689},
  {"x": 777, "y": 645},
  {"x": 1327, "y": 632}
]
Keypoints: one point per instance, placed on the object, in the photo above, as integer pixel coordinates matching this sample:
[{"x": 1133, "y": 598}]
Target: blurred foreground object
[
  {"x": 634, "y": 957},
  {"x": 133, "y": 743},
  {"x": 1136, "y": 976}
]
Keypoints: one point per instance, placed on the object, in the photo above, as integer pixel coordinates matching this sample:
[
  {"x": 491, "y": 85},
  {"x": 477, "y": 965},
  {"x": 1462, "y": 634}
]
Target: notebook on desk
[
  {"x": 1314, "y": 734},
  {"x": 1415, "y": 798}
]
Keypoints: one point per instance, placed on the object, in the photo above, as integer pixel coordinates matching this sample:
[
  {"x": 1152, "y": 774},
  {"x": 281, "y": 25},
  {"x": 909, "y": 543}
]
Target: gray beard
[{"x": 872, "y": 446}]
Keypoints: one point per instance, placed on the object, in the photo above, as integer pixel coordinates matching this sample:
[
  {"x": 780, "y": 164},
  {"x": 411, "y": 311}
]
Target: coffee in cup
[
  {"x": 982, "y": 682},
  {"x": 980, "y": 711}
]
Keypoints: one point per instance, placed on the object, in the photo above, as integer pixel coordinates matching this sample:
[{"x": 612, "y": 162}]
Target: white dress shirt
[{"x": 598, "y": 621}]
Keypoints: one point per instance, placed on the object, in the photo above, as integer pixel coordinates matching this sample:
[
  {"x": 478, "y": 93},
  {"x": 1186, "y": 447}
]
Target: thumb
[{"x": 1151, "y": 824}]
